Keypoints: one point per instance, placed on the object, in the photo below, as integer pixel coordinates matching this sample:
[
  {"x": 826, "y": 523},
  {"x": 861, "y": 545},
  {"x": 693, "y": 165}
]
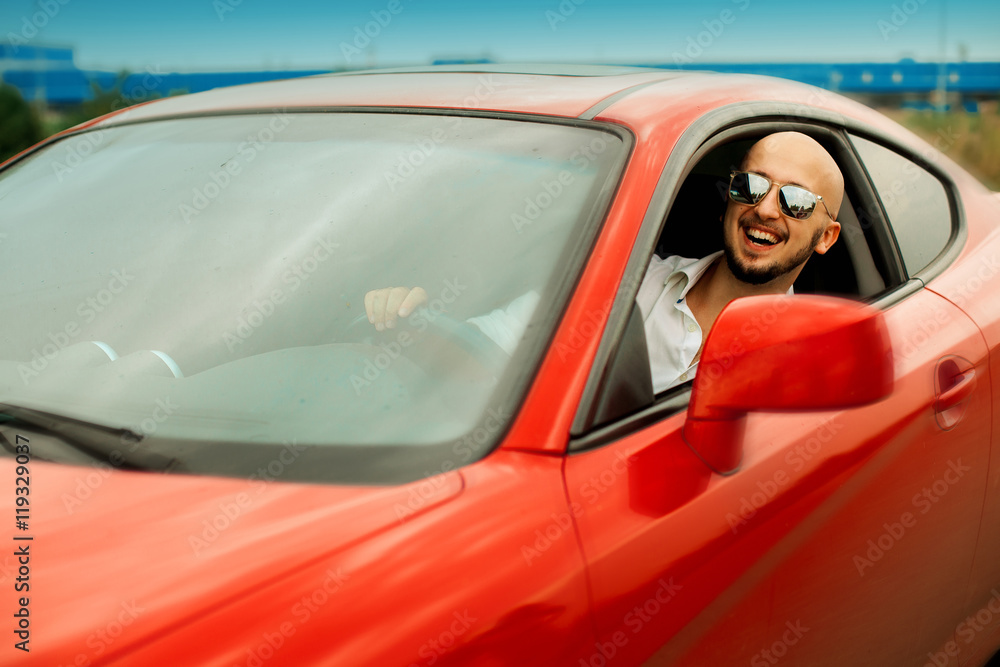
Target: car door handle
[{"x": 959, "y": 391}]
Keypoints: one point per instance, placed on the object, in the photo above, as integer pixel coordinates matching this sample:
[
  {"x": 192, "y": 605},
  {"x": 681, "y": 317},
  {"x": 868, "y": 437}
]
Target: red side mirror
[{"x": 778, "y": 353}]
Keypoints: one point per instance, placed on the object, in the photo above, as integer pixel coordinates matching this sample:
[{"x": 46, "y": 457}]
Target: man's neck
[
  {"x": 722, "y": 286},
  {"x": 718, "y": 286}
]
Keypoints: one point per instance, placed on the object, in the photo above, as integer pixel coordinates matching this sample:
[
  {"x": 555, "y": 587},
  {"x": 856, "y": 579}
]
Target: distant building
[
  {"x": 44, "y": 73},
  {"x": 907, "y": 83},
  {"x": 49, "y": 75}
]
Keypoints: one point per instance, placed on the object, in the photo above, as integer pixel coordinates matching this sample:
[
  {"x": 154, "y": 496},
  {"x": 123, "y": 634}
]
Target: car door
[
  {"x": 970, "y": 284},
  {"x": 845, "y": 536}
]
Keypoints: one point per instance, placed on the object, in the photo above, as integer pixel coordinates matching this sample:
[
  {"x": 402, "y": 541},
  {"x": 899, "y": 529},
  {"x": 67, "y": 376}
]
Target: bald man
[
  {"x": 765, "y": 249},
  {"x": 783, "y": 204}
]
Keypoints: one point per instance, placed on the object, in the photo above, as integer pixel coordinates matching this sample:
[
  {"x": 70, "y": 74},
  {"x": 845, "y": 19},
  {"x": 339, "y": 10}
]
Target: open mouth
[{"x": 760, "y": 238}]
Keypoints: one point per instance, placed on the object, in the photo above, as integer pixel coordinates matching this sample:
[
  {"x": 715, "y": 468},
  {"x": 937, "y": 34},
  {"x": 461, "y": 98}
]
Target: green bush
[
  {"x": 19, "y": 127},
  {"x": 970, "y": 139}
]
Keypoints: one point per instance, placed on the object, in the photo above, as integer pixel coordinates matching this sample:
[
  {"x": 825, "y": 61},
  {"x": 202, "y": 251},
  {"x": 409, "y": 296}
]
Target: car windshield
[{"x": 201, "y": 280}]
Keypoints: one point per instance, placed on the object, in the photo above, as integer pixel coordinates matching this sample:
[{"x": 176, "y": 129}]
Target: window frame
[
  {"x": 398, "y": 464},
  {"x": 952, "y": 247},
  {"x": 707, "y": 133}
]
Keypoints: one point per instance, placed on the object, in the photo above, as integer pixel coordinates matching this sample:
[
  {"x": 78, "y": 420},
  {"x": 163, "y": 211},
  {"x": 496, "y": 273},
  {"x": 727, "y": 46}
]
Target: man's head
[{"x": 763, "y": 243}]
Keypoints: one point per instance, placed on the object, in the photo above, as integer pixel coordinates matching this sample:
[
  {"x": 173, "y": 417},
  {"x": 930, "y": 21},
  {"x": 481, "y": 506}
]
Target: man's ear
[{"x": 829, "y": 237}]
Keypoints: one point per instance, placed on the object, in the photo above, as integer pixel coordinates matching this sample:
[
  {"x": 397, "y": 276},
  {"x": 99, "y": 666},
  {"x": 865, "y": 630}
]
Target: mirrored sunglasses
[{"x": 746, "y": 187}]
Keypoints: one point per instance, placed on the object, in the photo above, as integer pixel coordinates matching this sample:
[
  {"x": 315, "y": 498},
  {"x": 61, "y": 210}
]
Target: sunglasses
[{"x": 746, "y": 187}]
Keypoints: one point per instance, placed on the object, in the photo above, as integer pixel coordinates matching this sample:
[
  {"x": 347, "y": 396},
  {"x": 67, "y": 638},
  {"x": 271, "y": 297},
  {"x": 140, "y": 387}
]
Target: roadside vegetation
[
  {"x": 970, "y": 139},
  {"x": 23, "y": 124},
  {"x": 19, "y": 125}
]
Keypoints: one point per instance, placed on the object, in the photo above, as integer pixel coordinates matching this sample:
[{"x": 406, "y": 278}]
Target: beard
[{"x": 759, "y": 275}]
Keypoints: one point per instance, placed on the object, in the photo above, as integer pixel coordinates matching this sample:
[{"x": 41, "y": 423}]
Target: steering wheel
[{"x": 439, "y": 342}]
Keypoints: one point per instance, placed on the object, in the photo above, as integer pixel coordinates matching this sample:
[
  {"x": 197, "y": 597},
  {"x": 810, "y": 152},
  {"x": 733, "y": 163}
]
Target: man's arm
[{"x": 504, "y": 326}]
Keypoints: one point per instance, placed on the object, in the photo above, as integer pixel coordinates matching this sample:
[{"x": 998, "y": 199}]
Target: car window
[
  {"x": 915, "y": 202},
  {"x": 853, "y": 268},
  {"x": 217, "y": 266}
]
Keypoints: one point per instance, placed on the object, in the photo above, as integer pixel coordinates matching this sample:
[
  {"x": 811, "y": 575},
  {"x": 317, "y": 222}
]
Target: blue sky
[{"x": 192, "y": 35}]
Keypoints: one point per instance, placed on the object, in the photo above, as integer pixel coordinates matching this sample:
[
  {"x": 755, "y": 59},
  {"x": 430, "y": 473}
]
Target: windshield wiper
[{"x": 62, "y": 439}]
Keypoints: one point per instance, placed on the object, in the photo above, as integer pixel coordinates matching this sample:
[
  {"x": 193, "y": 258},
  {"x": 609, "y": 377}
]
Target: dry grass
[{"x": 972, "y": 140}]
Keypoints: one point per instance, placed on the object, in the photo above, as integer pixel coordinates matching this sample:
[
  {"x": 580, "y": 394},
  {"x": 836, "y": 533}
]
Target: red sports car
[{"x": 213, "y": 458}]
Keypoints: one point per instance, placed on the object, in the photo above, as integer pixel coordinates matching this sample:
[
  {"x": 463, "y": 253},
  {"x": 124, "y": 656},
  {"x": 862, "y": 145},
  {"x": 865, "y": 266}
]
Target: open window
[
  {"x": 864, "y": 264},
  {"x": 850, "y": 268}
]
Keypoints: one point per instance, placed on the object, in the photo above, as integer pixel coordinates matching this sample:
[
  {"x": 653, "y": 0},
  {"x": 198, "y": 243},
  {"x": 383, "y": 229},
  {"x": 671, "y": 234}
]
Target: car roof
[
  {"x": 634, "y": 96},
  {"x": 559, "y": 90}
]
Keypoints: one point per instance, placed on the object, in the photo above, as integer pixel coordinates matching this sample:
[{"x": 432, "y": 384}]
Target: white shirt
[
  {"x": 673, "y": 335},
  {"x": 505, "y": 326},
  {"x": 667, "y": 320}
]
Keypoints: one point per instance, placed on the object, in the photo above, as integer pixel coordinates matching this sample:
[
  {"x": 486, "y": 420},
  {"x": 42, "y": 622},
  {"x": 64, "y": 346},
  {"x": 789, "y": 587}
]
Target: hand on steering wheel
[
  {"x": 384, "y": 305},
  {"x": 463, "y": 342}
]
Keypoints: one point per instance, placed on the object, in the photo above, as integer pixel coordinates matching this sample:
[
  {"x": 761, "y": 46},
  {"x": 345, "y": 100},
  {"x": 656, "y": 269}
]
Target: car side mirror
[{"x": 783, "y": 353}]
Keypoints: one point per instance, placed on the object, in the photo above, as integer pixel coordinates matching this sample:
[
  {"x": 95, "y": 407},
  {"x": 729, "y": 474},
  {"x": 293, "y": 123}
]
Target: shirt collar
[{"x": 688, "y": 275}]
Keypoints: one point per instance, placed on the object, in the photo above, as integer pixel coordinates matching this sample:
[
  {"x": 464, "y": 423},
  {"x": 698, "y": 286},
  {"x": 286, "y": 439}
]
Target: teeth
[{"x": 759, "y": 235}]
